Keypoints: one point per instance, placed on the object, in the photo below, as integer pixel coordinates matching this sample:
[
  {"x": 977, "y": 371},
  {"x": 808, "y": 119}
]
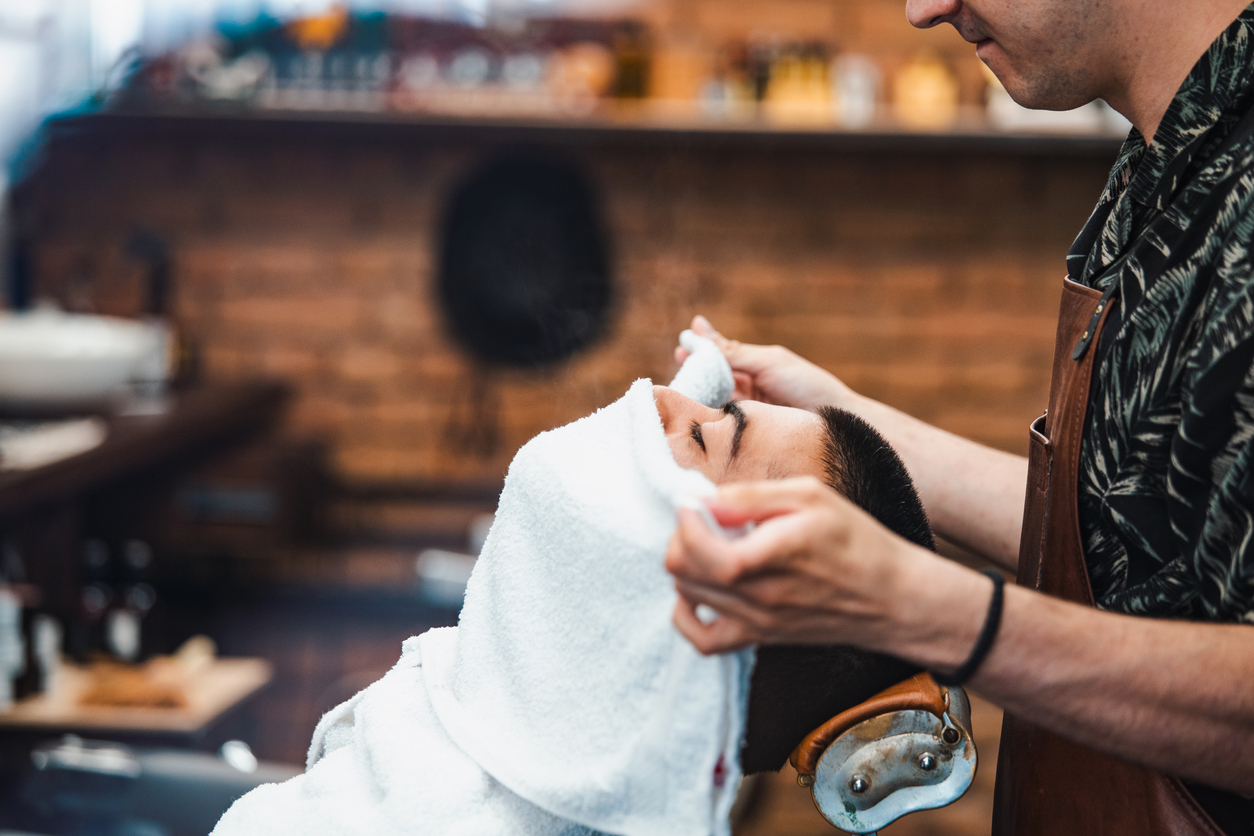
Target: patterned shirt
[{"x": 1166, "y": 495}]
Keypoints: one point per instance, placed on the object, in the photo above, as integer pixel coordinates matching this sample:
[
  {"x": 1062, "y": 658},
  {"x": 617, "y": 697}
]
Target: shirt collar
[{"x": 1219, "y": 84}]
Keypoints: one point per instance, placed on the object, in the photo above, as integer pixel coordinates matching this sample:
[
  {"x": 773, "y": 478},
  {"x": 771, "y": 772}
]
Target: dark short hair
[
  {"x": 864, "y": 468},
  {"x": 797, "y": 688}
]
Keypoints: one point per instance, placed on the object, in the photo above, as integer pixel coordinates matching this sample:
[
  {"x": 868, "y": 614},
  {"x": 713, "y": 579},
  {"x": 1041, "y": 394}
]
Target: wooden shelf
[
  {"x": 971, "y": 136},
  {"x": 196, "y": 418}
]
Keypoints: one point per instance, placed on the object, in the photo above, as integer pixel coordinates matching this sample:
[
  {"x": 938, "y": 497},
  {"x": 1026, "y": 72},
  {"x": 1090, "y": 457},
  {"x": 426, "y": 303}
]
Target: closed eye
[
  {"x": 742, "y": 421},
  {"x": 695, "y": 431}
]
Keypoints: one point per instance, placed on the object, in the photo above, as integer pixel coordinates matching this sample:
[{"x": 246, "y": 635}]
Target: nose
[
  {"x": 674, "y": 408},
  {"x": 924, "y": 14}
]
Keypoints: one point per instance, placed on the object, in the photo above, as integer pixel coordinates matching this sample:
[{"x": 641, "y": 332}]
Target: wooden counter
[
  {"x": 211, "y": 693},
  {"x": 199, "y": 417}
]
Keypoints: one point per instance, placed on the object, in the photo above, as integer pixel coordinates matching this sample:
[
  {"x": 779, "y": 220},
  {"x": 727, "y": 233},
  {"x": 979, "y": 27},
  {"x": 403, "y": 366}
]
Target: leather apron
[{"x": 1048, "y": 786}]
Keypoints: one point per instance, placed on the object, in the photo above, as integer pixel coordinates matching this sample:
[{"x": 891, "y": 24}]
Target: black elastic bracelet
[{"x": 987, "y": 635}]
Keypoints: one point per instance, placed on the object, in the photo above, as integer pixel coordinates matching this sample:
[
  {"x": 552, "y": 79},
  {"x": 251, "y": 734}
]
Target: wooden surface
[
  {"x": 634, "y": 128},
  {"x": 195, "y": 418},
  {"x": 210, "y": 693}
]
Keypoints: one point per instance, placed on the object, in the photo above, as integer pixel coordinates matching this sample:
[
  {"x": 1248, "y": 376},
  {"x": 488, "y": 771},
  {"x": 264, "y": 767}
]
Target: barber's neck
[{"x": 1155, "y": 47}]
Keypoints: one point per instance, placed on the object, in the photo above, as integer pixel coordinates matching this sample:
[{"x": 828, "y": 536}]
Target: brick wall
[{"x": 926, "y": 278}]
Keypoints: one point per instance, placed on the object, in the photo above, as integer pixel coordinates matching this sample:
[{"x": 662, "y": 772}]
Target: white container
[{"x": 52, "y": 359}]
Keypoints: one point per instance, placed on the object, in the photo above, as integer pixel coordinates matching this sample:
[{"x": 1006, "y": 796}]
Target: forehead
[{"x": 779, "y": 442}]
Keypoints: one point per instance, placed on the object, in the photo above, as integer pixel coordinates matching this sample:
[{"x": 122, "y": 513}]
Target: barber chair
[{"x": 905, "y": 749}]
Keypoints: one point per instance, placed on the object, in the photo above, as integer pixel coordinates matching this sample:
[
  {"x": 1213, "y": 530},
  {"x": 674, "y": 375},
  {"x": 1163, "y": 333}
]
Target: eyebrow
[{"x": 733, "y": 409}]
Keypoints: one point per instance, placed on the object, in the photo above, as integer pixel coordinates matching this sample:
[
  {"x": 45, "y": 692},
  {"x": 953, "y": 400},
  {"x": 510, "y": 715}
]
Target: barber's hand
[
  {"x": 772, "y": 373},
  {"x": 815, "y": 570}
]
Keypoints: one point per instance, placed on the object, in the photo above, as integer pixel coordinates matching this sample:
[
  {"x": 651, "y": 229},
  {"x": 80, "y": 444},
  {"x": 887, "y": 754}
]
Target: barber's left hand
[{"x": 815, "y": 570}]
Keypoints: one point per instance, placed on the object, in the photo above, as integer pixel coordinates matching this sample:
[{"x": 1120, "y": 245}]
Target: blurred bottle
[
  {"x": 580, "y": 74},
  {"x": 12, "y": 647},
  {"x": 122, "y": 634},
  {"x": 318, "y": 33},
  {"x": 317, "y": 76},
  {"x": 856, "y": 88},
  {"x": 471, "y": 67},
  {"x": 631, "y": 47},
  {"x": 925, "y": 94},
  {"x": 523, "y": 72},
  {"x": 93, "y": 600},
  {"x": 728, "y": 91},
  {"x": 761, "y": 60},
  {"x": 799, "y": 90},
  {"x": 681, "y": 66},
  {"x": 43, "y": 640}
]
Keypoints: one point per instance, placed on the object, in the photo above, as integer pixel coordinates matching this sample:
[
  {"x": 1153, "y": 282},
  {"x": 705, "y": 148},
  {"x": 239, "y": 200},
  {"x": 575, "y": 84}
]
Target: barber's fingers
[
  {"x": 746, "y": 360},
  {"x": 745, "y": 502},
  {"x": 745, "y": 388},
  {"x": 722, "y": 635},
  {"x": 703, "y": 327},
  {"x": 745, "y": 357},
  {"x": 697, "y": 553},
  {"x": 727, "y": 602},
  {"x": 731, "y": 348},
  {"x": 700, "y": 555},
  {"x": 775, "y": 603}
]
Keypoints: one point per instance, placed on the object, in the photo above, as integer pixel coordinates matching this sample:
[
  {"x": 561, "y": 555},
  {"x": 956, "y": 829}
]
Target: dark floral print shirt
[
  {"x": 1166, "y": 493},
  {"x": 1167, "y": 461}
]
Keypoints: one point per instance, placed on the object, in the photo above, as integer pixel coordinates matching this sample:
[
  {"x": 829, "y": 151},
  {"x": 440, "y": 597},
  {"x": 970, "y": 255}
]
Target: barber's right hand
[{"x": 772, "y": 373}]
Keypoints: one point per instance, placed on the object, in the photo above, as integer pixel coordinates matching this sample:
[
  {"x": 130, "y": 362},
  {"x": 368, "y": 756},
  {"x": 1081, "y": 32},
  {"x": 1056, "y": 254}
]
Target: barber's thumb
[{"x": 703, "y": 327}]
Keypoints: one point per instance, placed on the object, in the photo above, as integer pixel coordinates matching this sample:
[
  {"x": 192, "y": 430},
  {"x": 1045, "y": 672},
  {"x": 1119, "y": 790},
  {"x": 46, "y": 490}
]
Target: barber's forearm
[
  {"x": 1168, "y": 694},
  {"x": 1174, "y": 696},
  {"x": 973, "y": 494}
]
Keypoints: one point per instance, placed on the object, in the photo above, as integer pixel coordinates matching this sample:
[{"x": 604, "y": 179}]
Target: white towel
[
  {"x": 383, "y": 765},
  {"x": 705, "y": 376},
  {"x": 565, "y": 702}
]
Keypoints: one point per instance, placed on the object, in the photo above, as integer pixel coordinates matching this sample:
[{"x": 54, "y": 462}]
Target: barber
[{"x": 1124, "y": 655}]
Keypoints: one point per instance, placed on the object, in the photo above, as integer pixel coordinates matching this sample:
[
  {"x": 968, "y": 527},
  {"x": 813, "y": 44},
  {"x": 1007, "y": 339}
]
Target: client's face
[{"x": 743, "y": 441}]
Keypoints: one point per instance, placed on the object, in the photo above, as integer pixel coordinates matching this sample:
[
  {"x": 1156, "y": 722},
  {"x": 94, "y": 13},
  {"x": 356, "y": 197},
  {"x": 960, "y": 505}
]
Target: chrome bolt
[
  {"x": 859, "y": 785},
  {"x": 927, "y": 761}
]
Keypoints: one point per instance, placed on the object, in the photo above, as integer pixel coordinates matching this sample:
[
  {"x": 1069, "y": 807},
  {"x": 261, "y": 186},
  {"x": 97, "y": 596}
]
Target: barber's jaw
[
  {"x": 743, "y": 441},
  {"x": 1049, "y": 54}
]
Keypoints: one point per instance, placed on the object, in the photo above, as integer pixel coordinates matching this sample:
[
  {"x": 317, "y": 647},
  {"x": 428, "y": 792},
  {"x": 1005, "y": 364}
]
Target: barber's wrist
[
  {"x": 939, "y": 610},
  {"x": 840, "y": 395}
]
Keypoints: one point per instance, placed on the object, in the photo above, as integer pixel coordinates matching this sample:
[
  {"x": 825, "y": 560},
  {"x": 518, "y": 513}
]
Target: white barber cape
[{"x": 564, "y": 702}]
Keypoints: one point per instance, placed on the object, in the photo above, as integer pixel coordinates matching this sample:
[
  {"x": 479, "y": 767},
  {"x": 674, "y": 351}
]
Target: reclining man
[{"x": 565, "y": 702}]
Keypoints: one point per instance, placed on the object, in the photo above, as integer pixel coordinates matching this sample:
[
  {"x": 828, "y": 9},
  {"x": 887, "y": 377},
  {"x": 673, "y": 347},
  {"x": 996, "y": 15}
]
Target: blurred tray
[{"x": 210, "y": 693}]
